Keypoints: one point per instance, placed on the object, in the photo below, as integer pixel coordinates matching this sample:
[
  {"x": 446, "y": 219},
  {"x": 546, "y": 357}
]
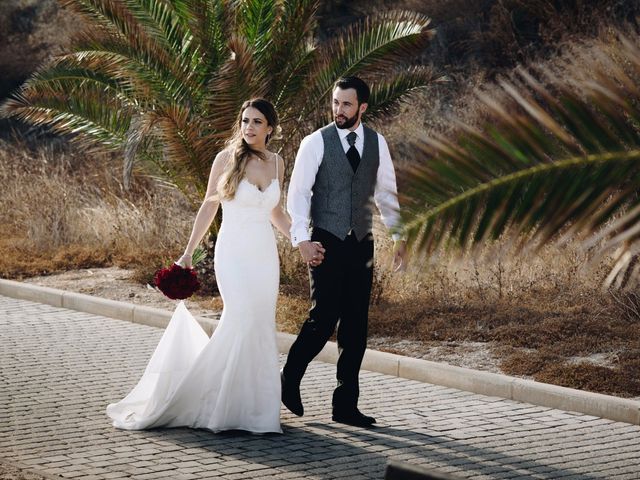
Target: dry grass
[
  {"x": 544, "y": 314},
  {"x": 66, "y": 209}
]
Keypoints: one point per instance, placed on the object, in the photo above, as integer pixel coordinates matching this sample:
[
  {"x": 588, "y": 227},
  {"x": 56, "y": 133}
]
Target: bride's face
[{"x": 254, "y": 127}]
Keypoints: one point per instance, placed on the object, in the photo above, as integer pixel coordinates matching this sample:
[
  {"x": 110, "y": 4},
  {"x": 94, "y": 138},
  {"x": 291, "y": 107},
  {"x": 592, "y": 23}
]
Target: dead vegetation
[{"x": 63, "y": 208}]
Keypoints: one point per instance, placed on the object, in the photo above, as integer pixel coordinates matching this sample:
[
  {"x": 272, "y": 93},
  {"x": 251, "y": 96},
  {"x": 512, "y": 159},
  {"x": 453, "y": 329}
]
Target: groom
[{"x": 339, "y": 169}]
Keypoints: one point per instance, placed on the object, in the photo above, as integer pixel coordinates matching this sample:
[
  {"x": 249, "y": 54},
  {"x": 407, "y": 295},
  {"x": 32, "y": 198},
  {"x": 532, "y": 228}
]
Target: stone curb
[{"x": 484, "y": 383}]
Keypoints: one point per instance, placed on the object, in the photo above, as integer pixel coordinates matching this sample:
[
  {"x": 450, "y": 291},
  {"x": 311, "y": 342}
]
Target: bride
[{"x": 230, "y": 381}]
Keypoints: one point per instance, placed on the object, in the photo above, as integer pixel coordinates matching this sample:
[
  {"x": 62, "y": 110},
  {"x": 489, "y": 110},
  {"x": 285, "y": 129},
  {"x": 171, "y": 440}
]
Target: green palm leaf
[
  {"x": 255, "y": 19},
  {"x": 387, "y": 95},
  {"x": 210, "y": 22},
  {"x": 550, "y": 158},
  {"x": 87, "y": 111},
  {"x": 375, "y": 46},
  {"x": 238, "y": 79},
  {"x": 291, "y": 40},
  {"x": 180, "y": 132}
]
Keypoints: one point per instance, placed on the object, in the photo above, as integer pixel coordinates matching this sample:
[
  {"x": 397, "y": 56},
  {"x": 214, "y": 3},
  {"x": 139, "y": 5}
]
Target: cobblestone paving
[{"x": 60, "y": 368}]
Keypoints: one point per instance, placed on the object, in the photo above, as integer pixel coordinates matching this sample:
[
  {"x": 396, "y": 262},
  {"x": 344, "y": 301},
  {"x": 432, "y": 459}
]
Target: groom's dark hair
[{"x": 361, "y": 88}]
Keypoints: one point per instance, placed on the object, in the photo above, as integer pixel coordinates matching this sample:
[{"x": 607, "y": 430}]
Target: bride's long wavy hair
[{"x": 241, "y": 151}]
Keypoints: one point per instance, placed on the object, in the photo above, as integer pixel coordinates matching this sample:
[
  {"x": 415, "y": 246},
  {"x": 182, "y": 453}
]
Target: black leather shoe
[
  {"x": 291, "y": 396},
  {"x": 354, "y": 417}
]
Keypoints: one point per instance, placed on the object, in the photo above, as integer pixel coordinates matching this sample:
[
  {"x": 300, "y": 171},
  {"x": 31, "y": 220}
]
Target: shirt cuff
[{"x": 299, "y": 236}]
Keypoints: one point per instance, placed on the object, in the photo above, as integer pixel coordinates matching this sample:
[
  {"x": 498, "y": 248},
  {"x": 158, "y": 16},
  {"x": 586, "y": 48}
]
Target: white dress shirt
[{"x": 308, "y": 161}]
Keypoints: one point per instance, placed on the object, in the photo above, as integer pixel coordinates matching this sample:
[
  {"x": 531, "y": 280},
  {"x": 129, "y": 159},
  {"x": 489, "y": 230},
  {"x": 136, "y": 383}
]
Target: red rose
[{"x": 177, "y": 282}]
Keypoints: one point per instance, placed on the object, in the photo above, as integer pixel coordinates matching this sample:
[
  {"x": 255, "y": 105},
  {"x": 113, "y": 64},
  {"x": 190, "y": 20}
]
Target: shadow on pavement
[{"x": 336, "y": 451}]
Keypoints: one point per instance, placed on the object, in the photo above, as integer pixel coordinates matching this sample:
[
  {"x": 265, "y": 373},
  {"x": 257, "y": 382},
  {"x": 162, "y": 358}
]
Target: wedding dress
[{"x": 230, "y": 381}]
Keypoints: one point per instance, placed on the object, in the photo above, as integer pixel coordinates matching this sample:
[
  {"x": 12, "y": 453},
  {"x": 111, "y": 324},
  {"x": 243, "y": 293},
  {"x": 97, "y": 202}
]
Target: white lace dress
[{"x": 231, "y": 380}]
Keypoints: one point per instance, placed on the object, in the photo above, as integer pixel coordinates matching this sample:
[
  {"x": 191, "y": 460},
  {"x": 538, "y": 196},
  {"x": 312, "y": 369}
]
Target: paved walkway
[{"x": 60, "y": 368}]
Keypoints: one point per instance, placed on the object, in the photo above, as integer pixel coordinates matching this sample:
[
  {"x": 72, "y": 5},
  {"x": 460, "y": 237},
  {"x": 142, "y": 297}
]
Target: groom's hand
[
  {"x": 312, "y": 252},
  {"x": 400, "y": 256}
]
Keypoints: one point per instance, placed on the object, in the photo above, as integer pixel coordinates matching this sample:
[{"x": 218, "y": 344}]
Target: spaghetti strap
[{"x": 277, "y": 162}]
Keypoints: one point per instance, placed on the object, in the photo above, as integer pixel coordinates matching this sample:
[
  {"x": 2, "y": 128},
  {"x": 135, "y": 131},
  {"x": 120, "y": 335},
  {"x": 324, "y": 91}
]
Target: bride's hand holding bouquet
[{"x": 180, "y": 280}]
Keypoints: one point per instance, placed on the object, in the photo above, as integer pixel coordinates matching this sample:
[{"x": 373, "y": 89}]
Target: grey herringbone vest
[{"x": 342, "y": 198}]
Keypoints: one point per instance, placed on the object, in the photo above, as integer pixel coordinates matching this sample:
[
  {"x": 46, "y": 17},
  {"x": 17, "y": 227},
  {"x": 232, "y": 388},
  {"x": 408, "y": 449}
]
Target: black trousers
[{"x": 340, "y": 292}]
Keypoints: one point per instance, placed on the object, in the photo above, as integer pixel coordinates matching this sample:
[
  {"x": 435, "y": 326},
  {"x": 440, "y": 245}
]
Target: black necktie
[{"x": 352, "y": 153}]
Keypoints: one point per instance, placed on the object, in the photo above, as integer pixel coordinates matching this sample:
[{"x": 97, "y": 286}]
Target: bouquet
[{"x": 177, "y": 282}]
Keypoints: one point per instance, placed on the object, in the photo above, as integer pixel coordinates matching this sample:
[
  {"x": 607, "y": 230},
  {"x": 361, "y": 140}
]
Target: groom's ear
[{"x": 363, "y": 108}]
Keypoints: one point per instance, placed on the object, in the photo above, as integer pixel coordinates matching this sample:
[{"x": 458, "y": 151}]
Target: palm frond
[
  {"x": 291, "y": 81},
  {"x": 255, "y": 19},
  {"x": 211, "y": 23},
  {"x": 388, "y": 94},
  {"x": 163, "y": 81},
  {"x": 292, "y": 39},
  {"x": 162, "y": 23},
  {"x": 180, "y": 135},
  {"x": 166, "y": 27},
  {"x": 137, "y": 35},
  {"x": 379, "y": 43},
  {"x": 551, "y": 157},
  {"x": 117, "y": 18},
  {"x": 101, "y": 70},
  {"x": 100, "y": 16},
  {"x": 87, "y": 113},
  {"x": 237, "y": 80}
]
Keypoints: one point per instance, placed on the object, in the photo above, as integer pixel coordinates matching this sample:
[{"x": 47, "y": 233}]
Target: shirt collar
[{"x": 343, "y": 132}]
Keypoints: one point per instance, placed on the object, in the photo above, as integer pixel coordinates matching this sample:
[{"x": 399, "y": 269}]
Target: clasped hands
[
  {"x": 312, "y": 252},
  {"x": 399, "y": 256}
]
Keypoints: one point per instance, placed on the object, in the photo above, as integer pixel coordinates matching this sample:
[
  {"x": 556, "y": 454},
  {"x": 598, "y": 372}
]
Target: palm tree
[
  {"x": 558, "y": 158},
  {"x": 163, "y": 80}
]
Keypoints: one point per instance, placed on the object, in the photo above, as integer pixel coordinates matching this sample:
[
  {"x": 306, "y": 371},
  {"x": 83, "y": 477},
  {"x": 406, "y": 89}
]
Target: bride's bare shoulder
[
  {"x": 222, "y": 158},
  {"x": 220, "y": 163},
  {"x": 224, "y": 154}
]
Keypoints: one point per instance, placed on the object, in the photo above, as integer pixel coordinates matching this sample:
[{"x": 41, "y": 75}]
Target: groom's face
[{"x": 346, "y": 109}]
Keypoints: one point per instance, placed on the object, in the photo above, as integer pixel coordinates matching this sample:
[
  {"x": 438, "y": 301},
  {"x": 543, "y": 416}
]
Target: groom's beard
[{"x": 344, "y": 122}]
